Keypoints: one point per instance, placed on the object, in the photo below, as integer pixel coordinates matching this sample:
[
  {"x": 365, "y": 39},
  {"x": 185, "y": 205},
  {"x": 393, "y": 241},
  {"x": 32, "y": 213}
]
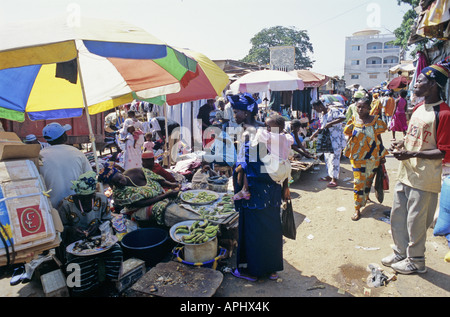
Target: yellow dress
[{"x": 365, "y": 151}]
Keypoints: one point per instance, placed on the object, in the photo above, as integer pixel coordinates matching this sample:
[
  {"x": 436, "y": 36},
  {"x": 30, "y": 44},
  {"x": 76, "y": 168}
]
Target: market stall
[
  {"x": 300, "y": 166},
  {"x": 182, "y": 258}
]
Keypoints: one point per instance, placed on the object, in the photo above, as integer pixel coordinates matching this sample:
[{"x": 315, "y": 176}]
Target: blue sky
[{"x": 223, "y": 29}]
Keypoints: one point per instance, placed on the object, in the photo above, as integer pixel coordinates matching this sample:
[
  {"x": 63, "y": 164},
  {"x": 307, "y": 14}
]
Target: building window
[
  {"x": 356, "y": 47},
  {"x": 355, "y": 62},
  {"x": 373, "y": 76},
  {"x": 390, "y": 60},
  {"x": 374, "y": 62},
  {"x": 387, "y": 45},
  {"x": 354, "y": 76},
  {"x": 375, "y": 46}
]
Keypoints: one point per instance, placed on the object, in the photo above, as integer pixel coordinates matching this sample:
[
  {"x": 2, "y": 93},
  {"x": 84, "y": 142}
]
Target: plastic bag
[{"x": 442, "y": 226}]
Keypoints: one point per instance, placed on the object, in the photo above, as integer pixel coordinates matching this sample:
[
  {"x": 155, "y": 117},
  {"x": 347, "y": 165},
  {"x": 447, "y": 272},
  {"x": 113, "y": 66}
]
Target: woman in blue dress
[{"x": 260, "y": 245}]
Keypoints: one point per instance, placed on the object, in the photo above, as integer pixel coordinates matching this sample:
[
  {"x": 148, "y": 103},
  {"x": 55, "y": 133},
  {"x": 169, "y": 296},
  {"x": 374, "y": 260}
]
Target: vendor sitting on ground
[
  {"x": 139, "y": 191},
  {"x": 82, "y": 214},
  {"x": 148, "y": 162},
  {"x": 298, "y": 147},
  {"x": 200, "y": 178}
]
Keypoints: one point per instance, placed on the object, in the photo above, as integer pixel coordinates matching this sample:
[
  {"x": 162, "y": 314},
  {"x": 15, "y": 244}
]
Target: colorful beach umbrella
[
  {"x": 57, "y": 68},
  {"x": 265, "y": 80},
  {"x": 54, "y": 69}
]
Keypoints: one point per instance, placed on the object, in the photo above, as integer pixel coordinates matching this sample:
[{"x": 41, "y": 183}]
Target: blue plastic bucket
[{"x": 148, "y": 244}]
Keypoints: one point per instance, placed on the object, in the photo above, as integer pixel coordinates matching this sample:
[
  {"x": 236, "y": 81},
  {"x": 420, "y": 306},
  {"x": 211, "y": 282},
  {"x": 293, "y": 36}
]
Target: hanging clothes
[
  {"x": 275, "y": 101},
  {"x": 302, "y": 101},
  {"x": 434, "y": 21}
]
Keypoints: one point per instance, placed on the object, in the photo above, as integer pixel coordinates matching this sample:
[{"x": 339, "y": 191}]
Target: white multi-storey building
[{"x": 368, "y": 57}]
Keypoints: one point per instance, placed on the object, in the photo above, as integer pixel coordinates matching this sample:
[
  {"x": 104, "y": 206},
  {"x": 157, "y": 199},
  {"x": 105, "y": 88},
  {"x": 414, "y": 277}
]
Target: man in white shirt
[
  {"x": 421, "y": 153},
  {"x": 62, "y": 163}
]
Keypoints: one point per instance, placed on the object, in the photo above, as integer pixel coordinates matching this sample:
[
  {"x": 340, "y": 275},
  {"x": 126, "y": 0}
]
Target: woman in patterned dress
[
  {"x": 365, "y": 150},
  {"x": 331, "y": 119},
  {"x": 140, "y": 191}
]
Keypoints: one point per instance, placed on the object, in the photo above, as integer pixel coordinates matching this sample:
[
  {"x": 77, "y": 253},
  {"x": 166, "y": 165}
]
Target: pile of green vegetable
[
  {"x": 224, "y": 207},
  {"x": 201, "y": 197},
  {"x": 197, "y": 233},
  {"x": 226, "y": 203}
]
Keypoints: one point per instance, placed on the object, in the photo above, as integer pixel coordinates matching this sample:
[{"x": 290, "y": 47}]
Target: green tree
[{"x": 280, "y": 36}]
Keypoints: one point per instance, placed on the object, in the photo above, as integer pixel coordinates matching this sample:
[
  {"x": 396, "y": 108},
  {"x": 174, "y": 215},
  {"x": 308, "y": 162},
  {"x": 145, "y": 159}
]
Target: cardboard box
[
  {"x": 29, "y": 254},
  {"x": 12, "y": 147},
  {"x": 25, "y": 212}
]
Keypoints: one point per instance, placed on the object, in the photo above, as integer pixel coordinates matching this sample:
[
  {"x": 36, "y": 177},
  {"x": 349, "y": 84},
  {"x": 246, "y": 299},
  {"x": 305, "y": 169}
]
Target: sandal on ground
[
  {"x": 237, "y": 274},
  {"x": 325, "y": 179},
  {"x": 357, "y": 215},
  {"x": 332, "y": 184},
  {"x": 273, "y": 276},
  {"x": 242, "y": 195}
]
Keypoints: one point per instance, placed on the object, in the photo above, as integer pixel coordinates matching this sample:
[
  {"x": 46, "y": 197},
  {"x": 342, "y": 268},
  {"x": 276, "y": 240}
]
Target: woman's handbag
[
  {"x": 287, "y": 220},
  {"x": 381, "y": 182},
  {"x": 323, "y": 144}
]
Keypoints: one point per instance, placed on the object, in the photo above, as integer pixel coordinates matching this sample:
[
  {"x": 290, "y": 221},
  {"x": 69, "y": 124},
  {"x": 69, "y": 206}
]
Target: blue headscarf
[
  {"x": 107, "y": 172},
  {"x": 244, "y": 102}
]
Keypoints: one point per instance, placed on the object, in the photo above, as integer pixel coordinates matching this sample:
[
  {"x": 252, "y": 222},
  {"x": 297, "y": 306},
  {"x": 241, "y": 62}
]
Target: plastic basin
[{"x": 148, "y": 244}]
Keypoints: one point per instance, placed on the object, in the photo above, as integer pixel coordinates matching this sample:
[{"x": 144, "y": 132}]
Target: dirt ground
[{"x": 331, "y": 254}]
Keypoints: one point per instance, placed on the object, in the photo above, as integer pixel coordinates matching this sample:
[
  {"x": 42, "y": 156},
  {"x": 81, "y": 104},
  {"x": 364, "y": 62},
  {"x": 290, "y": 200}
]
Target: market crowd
[{"x": 254, "y": 147}]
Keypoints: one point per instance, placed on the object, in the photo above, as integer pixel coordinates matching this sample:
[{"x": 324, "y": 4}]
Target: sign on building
[{"x": 282, "y": 58}]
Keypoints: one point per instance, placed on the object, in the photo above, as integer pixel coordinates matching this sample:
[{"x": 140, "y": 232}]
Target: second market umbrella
[
  {"x": 208, "y": 82},
  {"x": 265, "y": 80}
]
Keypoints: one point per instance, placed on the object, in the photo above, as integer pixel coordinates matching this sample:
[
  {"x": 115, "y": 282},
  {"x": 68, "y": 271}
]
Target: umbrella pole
[
  {"x": 167, "y": 143},
  {"x": 192, "y": 126},
  {"x": 88, "y": 117}
]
